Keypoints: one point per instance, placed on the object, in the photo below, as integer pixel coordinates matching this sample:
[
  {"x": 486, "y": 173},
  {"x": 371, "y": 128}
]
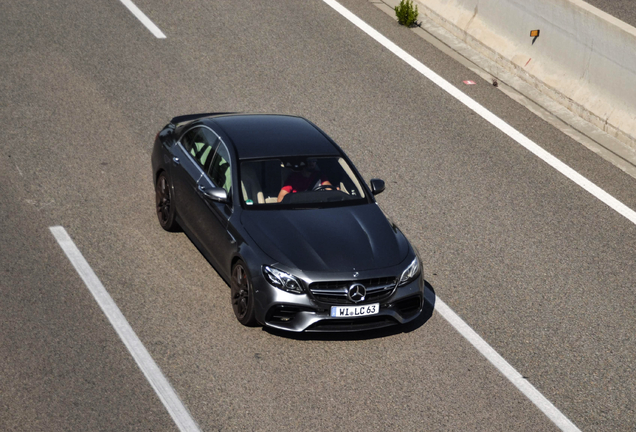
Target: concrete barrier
[{"x": 583, "y": 58}]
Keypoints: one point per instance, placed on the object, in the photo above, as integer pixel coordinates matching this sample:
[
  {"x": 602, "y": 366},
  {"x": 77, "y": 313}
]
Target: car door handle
[{"x": 176, "y": 160}]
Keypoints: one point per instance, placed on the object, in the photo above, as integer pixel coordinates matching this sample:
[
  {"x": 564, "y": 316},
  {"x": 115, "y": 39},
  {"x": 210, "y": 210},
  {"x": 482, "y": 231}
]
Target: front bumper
[{"x": 302, "y": 312}]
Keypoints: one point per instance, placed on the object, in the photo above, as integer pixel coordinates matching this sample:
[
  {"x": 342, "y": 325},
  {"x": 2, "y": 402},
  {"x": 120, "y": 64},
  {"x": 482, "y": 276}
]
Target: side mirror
[
  {"x": 377, "y": 186},
  {"x": 215, "y": 194}
]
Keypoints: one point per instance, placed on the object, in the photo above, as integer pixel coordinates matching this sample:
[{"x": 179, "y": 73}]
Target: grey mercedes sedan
[{"x": 285, "y": 218}]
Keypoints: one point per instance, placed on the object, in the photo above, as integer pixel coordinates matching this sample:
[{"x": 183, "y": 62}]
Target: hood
[{"x": 335, "y": 239}]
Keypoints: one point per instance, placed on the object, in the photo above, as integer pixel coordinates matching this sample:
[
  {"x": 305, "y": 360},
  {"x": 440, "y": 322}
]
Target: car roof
[{"x": 256, "y": 136}]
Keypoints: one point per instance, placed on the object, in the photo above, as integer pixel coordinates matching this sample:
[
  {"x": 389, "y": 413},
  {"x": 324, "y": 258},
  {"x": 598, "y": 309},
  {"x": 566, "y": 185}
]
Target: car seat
[{"x": 250, "y": 186}]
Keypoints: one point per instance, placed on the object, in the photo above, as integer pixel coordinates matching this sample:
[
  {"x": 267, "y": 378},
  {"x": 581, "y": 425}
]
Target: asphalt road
[
  {"x": 622, "y": 9},
  {"x": 538, "y": 267}
]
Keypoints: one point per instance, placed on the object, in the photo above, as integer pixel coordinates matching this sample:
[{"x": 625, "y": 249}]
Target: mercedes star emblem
[{"x": 357, "y": 292}]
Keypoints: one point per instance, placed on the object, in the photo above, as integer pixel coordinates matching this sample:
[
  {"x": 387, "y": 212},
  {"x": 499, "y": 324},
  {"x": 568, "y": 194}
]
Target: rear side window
[{"x": 200, "y": 142}]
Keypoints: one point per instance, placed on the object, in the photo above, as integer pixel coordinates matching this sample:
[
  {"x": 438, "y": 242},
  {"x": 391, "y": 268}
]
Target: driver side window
[{"x": 220, "y": 171}]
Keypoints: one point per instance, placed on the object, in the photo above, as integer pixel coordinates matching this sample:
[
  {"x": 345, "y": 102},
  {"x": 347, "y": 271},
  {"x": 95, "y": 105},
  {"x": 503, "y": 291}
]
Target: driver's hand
[{"x": 281, "y": 195}]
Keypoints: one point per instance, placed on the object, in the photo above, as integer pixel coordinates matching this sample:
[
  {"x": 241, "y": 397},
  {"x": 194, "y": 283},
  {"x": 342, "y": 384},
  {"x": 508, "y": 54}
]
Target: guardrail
[{"x": 582, "y": 57}]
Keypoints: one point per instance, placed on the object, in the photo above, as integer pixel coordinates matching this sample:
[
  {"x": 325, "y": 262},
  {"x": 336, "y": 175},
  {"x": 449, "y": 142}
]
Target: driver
[{"x": 306, "y": 179}]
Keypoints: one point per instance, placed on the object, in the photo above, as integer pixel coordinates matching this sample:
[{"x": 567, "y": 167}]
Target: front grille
[
  {"x": 345, "y": 325},
  {"x": 335, "y": 292}
]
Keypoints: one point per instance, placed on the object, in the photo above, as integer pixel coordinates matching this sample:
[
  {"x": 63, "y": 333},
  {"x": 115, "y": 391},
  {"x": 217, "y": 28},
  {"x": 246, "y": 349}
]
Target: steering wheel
[{"x": 324, "y": 187}]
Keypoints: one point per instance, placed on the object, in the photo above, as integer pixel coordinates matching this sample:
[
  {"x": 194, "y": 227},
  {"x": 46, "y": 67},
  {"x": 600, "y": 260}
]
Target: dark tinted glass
[
  {"x": 200, "y": 142},
  {"x": 220, "y": 170}
]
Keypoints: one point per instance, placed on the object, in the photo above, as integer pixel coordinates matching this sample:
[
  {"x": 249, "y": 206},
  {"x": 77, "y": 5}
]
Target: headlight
[
  {"x": 411, "y": 272},
  {"x": 282, "y": 280}
]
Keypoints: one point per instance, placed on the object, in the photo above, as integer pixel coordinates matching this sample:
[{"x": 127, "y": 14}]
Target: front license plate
[{"x": 355, "y": 311}]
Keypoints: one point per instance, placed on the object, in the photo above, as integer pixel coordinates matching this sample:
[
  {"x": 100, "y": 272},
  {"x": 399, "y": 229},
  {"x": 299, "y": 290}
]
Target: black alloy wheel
[
  {"x": 165, "y": 209},
  {"x": 242, "y": 295}
]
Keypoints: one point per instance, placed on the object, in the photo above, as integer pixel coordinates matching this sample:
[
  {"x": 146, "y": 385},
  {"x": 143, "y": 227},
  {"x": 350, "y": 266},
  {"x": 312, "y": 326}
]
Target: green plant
[{"x": 406, "y": 13}]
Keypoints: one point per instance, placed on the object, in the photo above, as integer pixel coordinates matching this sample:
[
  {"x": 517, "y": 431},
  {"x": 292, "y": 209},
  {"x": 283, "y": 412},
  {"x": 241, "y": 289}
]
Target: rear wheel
[
  {"x": 166, "y": 212},
  {"x": 242, "y": 295}
]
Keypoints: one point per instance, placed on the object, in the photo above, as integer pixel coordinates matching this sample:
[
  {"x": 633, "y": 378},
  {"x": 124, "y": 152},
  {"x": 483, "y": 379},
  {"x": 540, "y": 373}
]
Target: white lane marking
[
  {"x": 501, "y": 364},
  {"x": 487, "y": 115},
  {"x": 447, "y": 313},
  {"x": 144, "y": 19},
  {"x": 155, "y": 377}
]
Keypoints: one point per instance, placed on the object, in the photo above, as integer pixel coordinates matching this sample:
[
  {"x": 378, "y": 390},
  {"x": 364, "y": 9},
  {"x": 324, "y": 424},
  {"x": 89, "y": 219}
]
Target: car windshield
[{"x": 299, "y": 182}]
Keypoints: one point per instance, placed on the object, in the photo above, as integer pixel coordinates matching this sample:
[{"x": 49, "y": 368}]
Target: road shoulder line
[
  {"x": 506, "y": 369},
  {"x": 143, "y": 18}
]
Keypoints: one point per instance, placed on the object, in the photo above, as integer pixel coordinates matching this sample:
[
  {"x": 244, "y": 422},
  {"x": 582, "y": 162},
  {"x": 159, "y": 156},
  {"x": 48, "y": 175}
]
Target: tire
[
  {"x": 242, "y": 295},
  {"x": 166, "y": 212}
]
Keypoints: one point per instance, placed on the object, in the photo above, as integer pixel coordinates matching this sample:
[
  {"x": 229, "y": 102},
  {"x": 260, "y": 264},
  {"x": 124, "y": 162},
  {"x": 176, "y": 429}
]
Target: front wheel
[
  {"x": 242, "y": 295},
  {"x": 166, "y": 212}
]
